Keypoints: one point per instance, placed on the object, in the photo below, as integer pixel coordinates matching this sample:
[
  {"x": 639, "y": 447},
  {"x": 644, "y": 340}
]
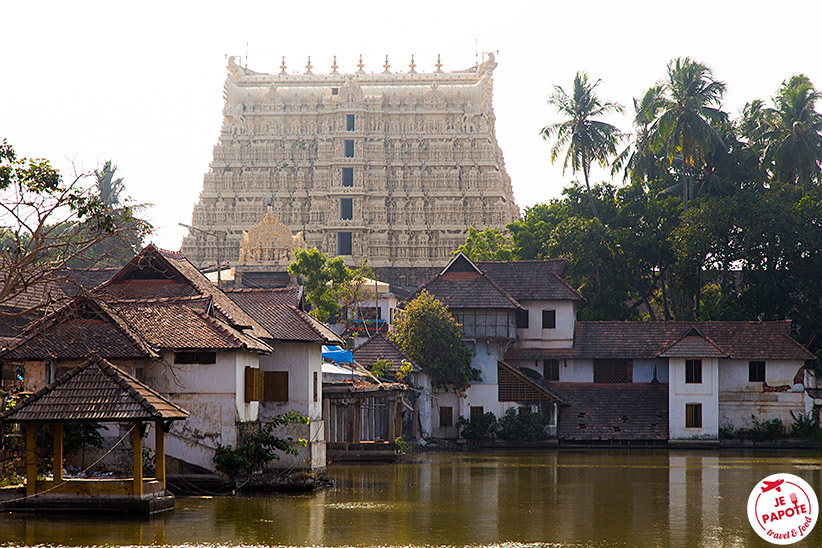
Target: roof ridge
[
  {"x": 153, "y": 300},
  {"x": 393, "y": 345},
  {"x": 504, "y": 293},
  {"x": 116, "y": 374},
  {"x": 569, "y": 286},
  {"x": 130, "y": 332},
  {"x": 219, "y": 325},
  {"x": 305, "y": 321}
]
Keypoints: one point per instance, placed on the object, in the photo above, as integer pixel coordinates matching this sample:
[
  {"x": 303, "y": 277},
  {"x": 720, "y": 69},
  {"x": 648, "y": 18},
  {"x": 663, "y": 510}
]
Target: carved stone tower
[{"x": 390, "y": 167}]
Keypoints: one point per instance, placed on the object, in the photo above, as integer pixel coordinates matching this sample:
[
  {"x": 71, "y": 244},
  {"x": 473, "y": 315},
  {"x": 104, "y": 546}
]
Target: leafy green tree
[
  {"x": 428, "y": 333},
  {"x": 794, "y": 133},
  {"x": 688, "y": 115},
  {"x": 331, "y": 287},
  {"x": 49, "y": 224},
  {"x": 489, "y": 245},
  {"x": 582, "y": 138},
  {"x": 639, "y": 161}
]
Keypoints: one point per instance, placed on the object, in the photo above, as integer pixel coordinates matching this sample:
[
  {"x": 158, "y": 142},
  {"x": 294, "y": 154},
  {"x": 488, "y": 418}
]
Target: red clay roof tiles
[{"x": 94, "y": 391}]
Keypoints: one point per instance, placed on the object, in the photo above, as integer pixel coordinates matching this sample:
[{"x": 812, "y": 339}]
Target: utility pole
[{"x": 217, "y": 237}]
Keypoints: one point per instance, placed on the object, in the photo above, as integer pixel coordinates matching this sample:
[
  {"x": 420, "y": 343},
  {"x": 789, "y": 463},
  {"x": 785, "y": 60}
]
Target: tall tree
[
  {"x": 49, "y": 224},
  {"x": 109, "y": 188},
  {"x": 582, "y": 138},
  {"x": 794, "y": 133},
  {"x": 639, "y": 161},
  {"x": 689, "y": 111},
  {"x": 428, "y": 333}
]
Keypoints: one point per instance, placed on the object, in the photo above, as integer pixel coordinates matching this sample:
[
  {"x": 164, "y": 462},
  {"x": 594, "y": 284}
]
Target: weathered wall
[{"x": 740, "y": 400}]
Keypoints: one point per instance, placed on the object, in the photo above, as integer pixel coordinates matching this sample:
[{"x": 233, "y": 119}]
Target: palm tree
[
  {"x": 638, "y": 161},
  {"x": 689, "y": 111},
  {"x": 582, "y": 138},
  {"x": 794, "y": 132},
  {"x": 109, "y": 188}
]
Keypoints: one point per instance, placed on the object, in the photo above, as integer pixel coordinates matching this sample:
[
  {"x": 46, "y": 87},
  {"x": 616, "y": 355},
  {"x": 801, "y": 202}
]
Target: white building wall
[
  {"x": 210, "y": 393},
  {"x": 643, "y": 370},
  {"x": 452, "y": 400},
  {"x": 576, "y": 370},
  {"x": 302, "y": 361},
  {"x": 562, "y": 336},
  {"x": 740, "y": 400},
  {"x": 681, "y": 393},
  {"x": 425, "y": 403}
]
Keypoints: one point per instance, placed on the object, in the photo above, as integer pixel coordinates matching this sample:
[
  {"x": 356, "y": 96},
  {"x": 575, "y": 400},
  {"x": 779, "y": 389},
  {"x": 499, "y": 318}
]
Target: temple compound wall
[{"x": 389, "y": 167}]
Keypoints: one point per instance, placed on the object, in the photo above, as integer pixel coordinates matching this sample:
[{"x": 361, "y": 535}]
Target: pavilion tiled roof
[
  {"x": 379, "y": 347},
  {"x": 277, "y": 311},
  {"x": 94, "y": 391},
  {"x": 635, "y": 411},
  {"x": 531, "y": 280}
]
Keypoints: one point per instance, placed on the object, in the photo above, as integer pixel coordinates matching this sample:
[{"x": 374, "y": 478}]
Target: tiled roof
[
  {"x": 379, "y": 347},
  {"x": 291, "y": 296},
  {"x": 539, "y": 353},
  {"x": 461, "y": 290},
  {"x": 282, "y": 320},
  {"x": 738, "y": 340},
  {"x": 98, "y": 391},
  {"x": 177, "y": 278},
  {"x": 636, "y": 411},
  {"x": 693, "y": 344},
  {"x": 175, "y": 325},
  {"x": 69, "y": 333},
  {"x": 531, "y": 280}
]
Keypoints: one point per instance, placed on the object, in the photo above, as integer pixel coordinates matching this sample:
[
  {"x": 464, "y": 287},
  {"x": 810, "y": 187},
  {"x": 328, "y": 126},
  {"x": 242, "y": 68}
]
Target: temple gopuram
[{"x": 392, "y": 167}]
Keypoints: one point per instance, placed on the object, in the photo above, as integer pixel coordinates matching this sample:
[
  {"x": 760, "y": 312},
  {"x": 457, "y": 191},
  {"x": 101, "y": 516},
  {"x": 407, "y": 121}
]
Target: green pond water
[{"x": 593, "y": 498}]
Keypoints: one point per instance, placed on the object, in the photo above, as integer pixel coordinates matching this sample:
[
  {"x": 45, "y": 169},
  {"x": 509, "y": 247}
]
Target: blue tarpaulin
[{"x": 337, "y": 354}]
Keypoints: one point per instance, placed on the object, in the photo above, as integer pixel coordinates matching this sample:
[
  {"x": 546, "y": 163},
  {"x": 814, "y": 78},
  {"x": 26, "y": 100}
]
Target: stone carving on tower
[
  {"x": 270, "y": 242},
  {"x": 392, "y": 167}
]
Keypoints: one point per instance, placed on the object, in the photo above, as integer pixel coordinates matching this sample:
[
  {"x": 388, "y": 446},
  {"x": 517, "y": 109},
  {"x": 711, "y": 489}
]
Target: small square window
[
  {"x": 756, "y": 371},
  {"x": 346, "y": 209},
  {"x": 349, "y": 122},
  {"x": 446, "y": 416},
  {"x": 522, "y": 319},
  {"x": 551, "y": 369},
  {"x": 344, "y": 243},
  {"x": 348, "y": 176},
  {"x": 335, "y": 91},
  {"x": 477, "y": 412},
  {"x": 348, "y": 148},
  {"x": 693, "y": 371},
  {"x": 549, "y": 319},
  {"x": 275, "y": 386},
  {"x": 693, "y": 415}
]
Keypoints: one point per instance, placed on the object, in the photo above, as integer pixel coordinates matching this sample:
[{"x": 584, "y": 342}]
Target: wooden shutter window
[
  {"x": 275, "y": 386},
  {"x": 253, "y": 384}
]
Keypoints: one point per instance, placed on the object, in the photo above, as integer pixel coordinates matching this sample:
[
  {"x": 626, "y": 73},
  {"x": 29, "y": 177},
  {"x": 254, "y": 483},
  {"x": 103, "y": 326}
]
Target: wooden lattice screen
[
  {"x": 613, "y": 371},
  {"x": 514, "y": 388}
]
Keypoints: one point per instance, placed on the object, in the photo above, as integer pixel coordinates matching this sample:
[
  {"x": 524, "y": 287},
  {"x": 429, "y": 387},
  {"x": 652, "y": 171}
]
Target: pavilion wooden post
[
  {"x": 57, "y": 463},
  {"x": 357, "y": 421},
  {"x": 391, "y": 421},
  {"x": 137, "y": 445},
  {"x": 31, "y": 458},
  {"x": 160, "y": 453}
]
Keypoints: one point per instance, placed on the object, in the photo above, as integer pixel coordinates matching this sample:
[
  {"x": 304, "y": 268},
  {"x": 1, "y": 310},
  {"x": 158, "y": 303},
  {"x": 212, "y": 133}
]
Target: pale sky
[{"x": 141, "y": 83}]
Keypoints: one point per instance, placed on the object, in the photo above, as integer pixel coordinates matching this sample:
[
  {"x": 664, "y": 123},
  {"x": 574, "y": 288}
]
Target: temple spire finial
[
  {"x": 386, "y": 66},
  {"x": 283, "y": 67},
  {"x": 438, "y": 64},
  {"x": 413, "y": 65},
  {"x": 334, "y": 66},
  {"x": 308, "y": 67},
  {"x": 360, "y": 66}
]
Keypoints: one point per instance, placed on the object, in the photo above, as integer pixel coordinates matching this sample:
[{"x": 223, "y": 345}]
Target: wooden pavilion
[{"x": 96, "y": 391}]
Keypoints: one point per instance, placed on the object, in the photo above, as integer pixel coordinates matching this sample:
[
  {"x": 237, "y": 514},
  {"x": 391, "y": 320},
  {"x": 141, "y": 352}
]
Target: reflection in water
[{"x": 566, "y": 498}]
